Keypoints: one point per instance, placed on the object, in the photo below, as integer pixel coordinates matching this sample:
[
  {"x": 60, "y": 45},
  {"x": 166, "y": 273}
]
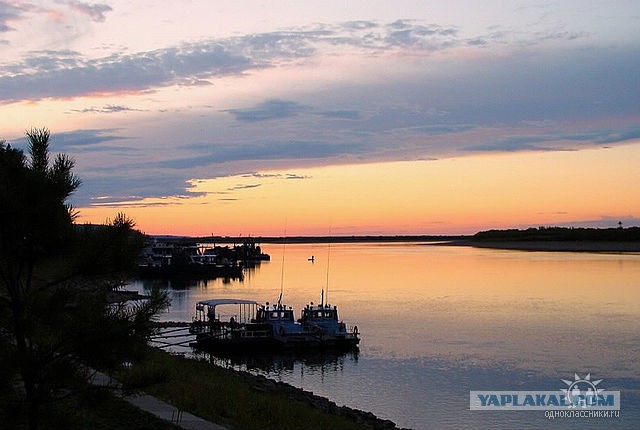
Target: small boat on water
[{"x": 255, "y": 328}]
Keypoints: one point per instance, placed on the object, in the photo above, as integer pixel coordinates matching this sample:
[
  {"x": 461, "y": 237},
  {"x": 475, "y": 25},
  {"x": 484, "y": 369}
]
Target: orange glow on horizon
[{"x": 419, "y": 197}]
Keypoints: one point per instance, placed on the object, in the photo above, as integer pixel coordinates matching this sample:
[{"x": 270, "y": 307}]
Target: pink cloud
[{"x": 95, "y": 11}]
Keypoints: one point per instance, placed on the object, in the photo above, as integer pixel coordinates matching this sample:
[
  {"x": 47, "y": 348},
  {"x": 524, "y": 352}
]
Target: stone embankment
[{"x": 366, "y": 419}]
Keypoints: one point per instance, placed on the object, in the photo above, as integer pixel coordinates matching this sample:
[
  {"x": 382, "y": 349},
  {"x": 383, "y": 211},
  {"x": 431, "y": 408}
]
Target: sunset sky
[{"x": 333, "y": 117}]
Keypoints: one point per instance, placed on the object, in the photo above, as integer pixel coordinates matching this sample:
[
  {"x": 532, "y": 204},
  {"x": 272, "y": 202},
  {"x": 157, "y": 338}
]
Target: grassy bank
[
  {"x": 92, "y": 409},
  {"x": 233, "y": 399}
]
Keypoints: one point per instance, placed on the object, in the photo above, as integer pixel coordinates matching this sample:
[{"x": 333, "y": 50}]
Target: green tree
[{"x": 59, "y": 307}]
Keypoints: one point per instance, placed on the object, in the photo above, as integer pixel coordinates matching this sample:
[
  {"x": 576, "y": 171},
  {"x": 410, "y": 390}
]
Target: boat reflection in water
[
  {"x": 267, "y": 339},
  {"x": 278, "y": 363}
]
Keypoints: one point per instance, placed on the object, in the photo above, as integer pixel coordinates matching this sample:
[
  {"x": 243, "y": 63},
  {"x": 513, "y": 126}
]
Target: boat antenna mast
[
  {"x": 284, "y": 247},
  {"x": 327, "y": 280}
]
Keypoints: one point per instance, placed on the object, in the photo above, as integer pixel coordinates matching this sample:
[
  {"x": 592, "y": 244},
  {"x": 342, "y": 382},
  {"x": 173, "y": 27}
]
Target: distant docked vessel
[{"x": 171, "y": 259}]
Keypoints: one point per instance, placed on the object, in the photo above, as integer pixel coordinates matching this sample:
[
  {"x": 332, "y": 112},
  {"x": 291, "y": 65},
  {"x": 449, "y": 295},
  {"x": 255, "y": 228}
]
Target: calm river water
[{"x": 439, "y": 321}]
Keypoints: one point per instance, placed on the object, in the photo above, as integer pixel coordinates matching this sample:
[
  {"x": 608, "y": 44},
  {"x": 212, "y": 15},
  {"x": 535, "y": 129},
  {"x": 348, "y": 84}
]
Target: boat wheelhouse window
[
  {"x": 281, "y": 315},
  {"x": 328, "y": 314}
]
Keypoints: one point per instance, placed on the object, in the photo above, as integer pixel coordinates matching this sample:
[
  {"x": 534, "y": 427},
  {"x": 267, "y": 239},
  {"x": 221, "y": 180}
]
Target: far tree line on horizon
[
  {"x": 618, "y": 234},
  {"x": 58, "y": 316},
  {"x": 550, "y": 233}
]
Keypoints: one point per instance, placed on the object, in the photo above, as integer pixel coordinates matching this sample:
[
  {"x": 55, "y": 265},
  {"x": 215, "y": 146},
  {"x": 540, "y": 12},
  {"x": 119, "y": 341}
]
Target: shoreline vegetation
[
  {"x": 239, "y": 399},
  {"x": 558, "y": 239}
]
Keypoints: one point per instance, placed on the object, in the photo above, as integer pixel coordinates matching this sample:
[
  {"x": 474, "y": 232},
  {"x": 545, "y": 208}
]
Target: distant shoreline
[
  {"x": 315, "y": 239},
  {"x": 552, "y": 246},
  {"x": 519, "y": 245},
  {"x": 550, "y": 239}
]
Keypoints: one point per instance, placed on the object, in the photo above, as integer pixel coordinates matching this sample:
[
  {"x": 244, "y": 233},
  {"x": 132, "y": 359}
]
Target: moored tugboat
[
  {"x": 332, "y": 332},
  {"x": 254, "y": 328}
]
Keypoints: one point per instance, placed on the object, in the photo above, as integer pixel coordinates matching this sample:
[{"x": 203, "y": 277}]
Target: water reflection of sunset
[{"x": 536, "y": 310}]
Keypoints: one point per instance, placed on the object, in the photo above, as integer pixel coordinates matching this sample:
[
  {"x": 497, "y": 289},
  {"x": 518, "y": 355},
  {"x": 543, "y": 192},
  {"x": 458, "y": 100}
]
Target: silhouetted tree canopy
[
  {"x": 617, "y": 234},
  {"x": 59, "y": 307}
]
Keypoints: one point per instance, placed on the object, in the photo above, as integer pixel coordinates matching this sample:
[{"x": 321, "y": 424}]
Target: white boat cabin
[
  {"x": 325, "y": 317},
  {"x": 280, "y": 317}
]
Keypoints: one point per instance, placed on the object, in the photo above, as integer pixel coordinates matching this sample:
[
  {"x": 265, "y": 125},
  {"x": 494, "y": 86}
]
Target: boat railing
[
  {"x": 353, "y": 331},
  {"x": 229, "y": 329}
]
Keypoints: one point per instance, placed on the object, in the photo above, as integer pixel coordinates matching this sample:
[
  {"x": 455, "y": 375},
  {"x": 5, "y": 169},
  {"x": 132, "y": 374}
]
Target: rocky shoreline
[{"x": 366, "y": 419}]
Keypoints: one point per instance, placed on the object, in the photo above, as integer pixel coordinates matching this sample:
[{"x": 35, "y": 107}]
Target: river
[{"x": 440, "y": 321}]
